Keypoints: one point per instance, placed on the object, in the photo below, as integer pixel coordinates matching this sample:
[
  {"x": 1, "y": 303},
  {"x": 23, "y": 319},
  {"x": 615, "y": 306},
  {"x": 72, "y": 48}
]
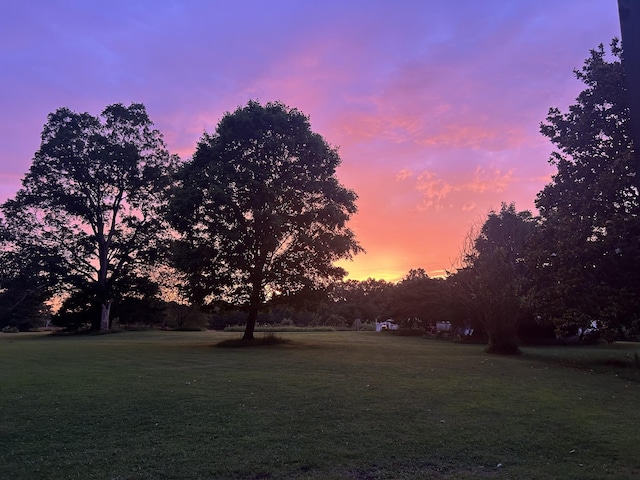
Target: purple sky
[{"x": 435, "y": 105}]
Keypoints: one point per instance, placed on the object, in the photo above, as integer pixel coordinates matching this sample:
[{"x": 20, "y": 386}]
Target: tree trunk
[
  {"x": 254, "y": 307},
  {"x": 503, "y": 342},
  {"x": 255, "y": 300},
  {"x": 251, "y": 323},
  {"x": 102, "y": 279},
  {"x": 104, "y": 318}
]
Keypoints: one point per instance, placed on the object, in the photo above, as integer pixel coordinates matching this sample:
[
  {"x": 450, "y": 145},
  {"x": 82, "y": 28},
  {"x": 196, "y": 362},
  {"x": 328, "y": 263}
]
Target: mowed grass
[{"x": 330, "y": 405}]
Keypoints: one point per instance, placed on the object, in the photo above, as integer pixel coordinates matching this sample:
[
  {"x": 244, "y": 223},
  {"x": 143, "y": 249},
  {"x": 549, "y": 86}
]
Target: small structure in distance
[{"x": 386, "y": 325}]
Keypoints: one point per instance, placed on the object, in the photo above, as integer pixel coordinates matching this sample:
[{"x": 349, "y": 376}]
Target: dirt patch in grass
[{"x": 268, "y": 339}]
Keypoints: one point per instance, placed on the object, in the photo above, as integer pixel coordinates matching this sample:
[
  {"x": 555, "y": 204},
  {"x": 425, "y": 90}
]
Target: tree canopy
[
  {"x": 492, "y": 283},
  {"x": 366, "y": 300},
  {"x": 586, "y": 254},
  {"x": 417, "y": 300},
  {"x": 30, "y": 273},
  {"x": 93, "y": 195},
  {"x": 260, "y": 210}
]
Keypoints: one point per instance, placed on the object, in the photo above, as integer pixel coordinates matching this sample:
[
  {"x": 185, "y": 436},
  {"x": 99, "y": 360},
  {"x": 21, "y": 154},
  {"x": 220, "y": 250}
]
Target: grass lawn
[{"x": 331, "y": 405}]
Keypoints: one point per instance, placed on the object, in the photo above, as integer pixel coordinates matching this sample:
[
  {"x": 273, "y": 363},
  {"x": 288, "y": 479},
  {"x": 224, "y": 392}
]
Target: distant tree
[
  {"x": 182, "y": 317},
  {"x": 492, "y": 283},
  {"x": 417, "y": 300},
  {"x": 260, "y": 210},
  {"x": 93, "y": 194},
  {"x": 367, "y": 300},
  {"x": 586, "y": 255},
  {"x": 303, "y": 307},
  {"x": 29, "y": 274}
]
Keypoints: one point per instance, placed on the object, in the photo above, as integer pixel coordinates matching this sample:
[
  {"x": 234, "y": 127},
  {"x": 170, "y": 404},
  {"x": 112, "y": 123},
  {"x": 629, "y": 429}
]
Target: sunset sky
[{"x": 435, "y": 105}]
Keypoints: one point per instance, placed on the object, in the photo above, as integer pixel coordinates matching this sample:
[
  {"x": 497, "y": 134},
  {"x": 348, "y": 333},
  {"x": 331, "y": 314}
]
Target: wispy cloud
[
  {"x": 489, "y": 180},
  {"x": 433, "y": 189},
  {"x": 404, "y": 174}
]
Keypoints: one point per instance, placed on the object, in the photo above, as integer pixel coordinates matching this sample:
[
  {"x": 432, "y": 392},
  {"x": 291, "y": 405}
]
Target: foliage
[
  {"x": 288, "y": 315},
  {"x": 220, "y": 320},
  {"x": 417, "y": 300},
  {"x": 183, "y": 317},
  {"x": 366, "y": 300},
  {"x": 93, "y": 195},
  {"x": 586, "y": 254},
  {"x": 260, "y": 210},
  {"x": 29, "y": 274},
  {"x": 492, "y": 283},
  {"x": 311, "y": 299}
]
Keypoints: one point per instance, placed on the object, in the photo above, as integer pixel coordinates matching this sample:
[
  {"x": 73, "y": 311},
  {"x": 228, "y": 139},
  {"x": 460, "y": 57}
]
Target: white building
[{"x": 386, "y": 325}]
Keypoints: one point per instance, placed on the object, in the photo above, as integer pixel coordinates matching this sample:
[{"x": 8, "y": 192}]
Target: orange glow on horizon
[{"x": 362, "y": 270}]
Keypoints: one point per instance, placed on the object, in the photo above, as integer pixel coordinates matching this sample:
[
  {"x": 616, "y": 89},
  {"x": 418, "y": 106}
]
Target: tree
[
  {"x": 367, "y": 300},
  {"x": 260, "y": 210},
  {"x": 94, "y": 194},
  {"x": 29, "y": 273},
  {"x": 492, "y": 283},
  {"x": 586, "y": 255},
  {"x": 417, "y": 300},
  {"x": 629, "y": 11}
]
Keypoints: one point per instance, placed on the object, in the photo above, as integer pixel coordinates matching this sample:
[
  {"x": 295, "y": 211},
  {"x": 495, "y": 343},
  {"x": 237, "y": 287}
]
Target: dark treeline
[{"x": 109, "y": 226}]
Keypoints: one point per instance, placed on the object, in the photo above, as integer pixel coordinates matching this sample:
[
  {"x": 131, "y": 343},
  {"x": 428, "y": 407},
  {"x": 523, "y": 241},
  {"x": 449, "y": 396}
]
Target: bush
[
  {"x": 183, "y": 318},
  {"x": 286, "y": 322},
  {"x": 367, "y": 327},
  {"x": 222, "y": 321},
  {"x": 10, "y": 329}
]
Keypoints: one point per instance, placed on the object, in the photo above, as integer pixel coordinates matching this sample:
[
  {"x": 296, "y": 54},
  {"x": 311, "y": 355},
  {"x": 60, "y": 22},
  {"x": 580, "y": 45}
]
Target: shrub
[
  {"x": 286, "y": 322},
  {"x": 184, "y": 317},
  {"x": 367, "y": 326}
]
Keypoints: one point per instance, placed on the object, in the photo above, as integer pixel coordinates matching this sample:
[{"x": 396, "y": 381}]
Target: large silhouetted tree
[
  {"x": 493, "y": 281},
  {"x": 260, "y": 210},
  {"x": 93, "y": 194},
  {"x": 586, "y": 256},
  {"x": 629, "y": 11}
]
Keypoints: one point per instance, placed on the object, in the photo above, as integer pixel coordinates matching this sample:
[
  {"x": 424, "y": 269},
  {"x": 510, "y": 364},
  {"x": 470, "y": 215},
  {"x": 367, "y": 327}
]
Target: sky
[{"x": 434, "y": 105}]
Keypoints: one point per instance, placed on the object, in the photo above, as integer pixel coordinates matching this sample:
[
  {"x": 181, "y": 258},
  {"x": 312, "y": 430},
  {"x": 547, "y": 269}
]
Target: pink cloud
[
  {"x": 404, "y": 174},
  {"x": 433, "y": 190},
  {"x": 437, "y": 192},
  {"x": 493, "y": 180}
]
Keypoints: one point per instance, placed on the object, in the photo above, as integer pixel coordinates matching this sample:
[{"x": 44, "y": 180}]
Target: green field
[{"x": 331, "y": 405}]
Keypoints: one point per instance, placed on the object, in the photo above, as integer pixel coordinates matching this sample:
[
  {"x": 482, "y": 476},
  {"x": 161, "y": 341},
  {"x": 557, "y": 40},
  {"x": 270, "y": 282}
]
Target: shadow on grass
[
  {"x": 626, "y": 366},
  {"x": 633, "y": 363},
  {"x": 83, "y": 332},
  {"x": 268, "y": 339}
]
